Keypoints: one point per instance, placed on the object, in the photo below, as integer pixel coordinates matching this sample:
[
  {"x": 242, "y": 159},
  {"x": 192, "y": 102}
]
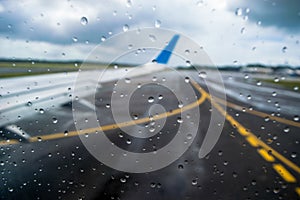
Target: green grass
[
  {"x": 29, "y": 68},
  {"x": 288, "y": 84}
]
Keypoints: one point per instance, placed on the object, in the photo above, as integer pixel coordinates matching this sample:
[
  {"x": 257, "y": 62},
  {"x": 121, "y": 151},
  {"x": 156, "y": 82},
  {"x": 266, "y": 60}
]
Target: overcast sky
[{"x": 230, "y": 32}]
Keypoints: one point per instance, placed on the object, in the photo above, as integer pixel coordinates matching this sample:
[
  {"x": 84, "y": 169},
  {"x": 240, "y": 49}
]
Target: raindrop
[
  {"x": 84, "y": 21},
  {"x": 42, "y": 111},
  {"x": 123, "y": 180},
  {"x": 238, "y": 11},
  {"x": 243, "y": 30},
  {"x": 202, "y": 74},
  {"x": 187, "y": 79},
  {"x": 234, "y": 174},
  {"x": 75, "y": 39},
  {"x": 54, "y": 120},
  {"x": 128, "y": 141},
  {"x": 180, "y": 166},
  {"x": 107, "y": 105},
  {"x": 200, "y": 3},
  {"x": 152, "y": 38},
  {"x": 296, "y": 88},
  {"x": 103, "y": 38},
  {"x": 276, "y": 190},
  {"x": 284, "y": 49},
  {"x": 125, "y": 28},
  {"x": 157, "y": 23},
  {"x": 194, "y": 182},
  {"x": 129, "y": 3},
  {"x": 160, "y": 97},
  {"x": 296, "y": 118},
  {"x": 127, "y": 80},
  {"x": 189, "y": 136},
  {"x": 258, "y": 83},
  {"x": 29, "y": 103},
  {"x": 286, "y": 129},
  {"x": 179, "y": 120},
  {"x": 188, "y": 63},
  {"x": 150, "y": 99},
  {"x": 180, "y": 104},
  {"x": 294, "y": 155},
  {"x": 153, "y": 185},
  {"x": 276, "y": 79}
]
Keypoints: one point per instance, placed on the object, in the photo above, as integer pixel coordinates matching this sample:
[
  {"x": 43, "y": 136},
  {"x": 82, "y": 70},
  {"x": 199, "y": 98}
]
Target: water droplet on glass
[
  {"x": 103, "y": 38},
  {"x": 84, "y": 21},
  {"x": 180, "y": 166},
  {"x": 243, "y": 30},
  {"x": 150, "y": 99},
  {"x": 286, "y": 129},
  {"x": 179, "y": 120},
  {"x": 54, "y": 120},
  {"x": 42, "y": 111},
  {"x": 194, "y": 182},
  {"x": 296, "y": 118},
  {"x": 187, "y": 79},
  {"x": 238, "y": 11},
  {"x": 188, "y": 63},
  {"x": 180, "y": 104},
  {"x": 29, "y": 103},
  {"x": 107, "y": 105},
  {"x": 75, "y": 39},
  {"x": 152, "y": 38},
  {"x": 125, "y": 28},
  {"x": 202, "y": 74},
  {"x": 128, "y": 141},
  {"x": 189, "y": 136},
  {"x": 123, "y": 180},
  {"x": 284, "y": 49},
  {"x": 294, "y": 155},
  {"x": 129, "y": 3},
  {"x": 160, "y": 97},
  {"x": 127, "y": 80},
  {"x": 157, "y": 23}
]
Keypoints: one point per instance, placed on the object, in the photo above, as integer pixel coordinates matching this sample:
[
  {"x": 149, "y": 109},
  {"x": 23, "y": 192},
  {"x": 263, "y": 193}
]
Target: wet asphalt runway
[{"x": 63, "y": 168}]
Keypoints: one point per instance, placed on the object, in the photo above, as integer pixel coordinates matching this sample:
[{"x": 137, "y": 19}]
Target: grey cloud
[
  {"x": 283, "y": 14},
  {"x": 17, "y": 24}
]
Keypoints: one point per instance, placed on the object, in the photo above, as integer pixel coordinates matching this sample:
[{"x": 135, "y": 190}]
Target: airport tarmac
[{"x": 256, "y": 156}]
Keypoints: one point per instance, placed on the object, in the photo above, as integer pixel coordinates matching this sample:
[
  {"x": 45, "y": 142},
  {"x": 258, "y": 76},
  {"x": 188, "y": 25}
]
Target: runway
[{"x": 256, "y": 156}]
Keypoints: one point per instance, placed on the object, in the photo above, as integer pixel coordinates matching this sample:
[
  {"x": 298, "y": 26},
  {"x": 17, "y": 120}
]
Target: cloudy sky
[{"x": 230, "y": 32}]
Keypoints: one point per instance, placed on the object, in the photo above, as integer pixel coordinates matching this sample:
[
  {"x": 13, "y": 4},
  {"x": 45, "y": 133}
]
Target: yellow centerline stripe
[
  {"x": 285, "y": 174},
  {"x": 266, "y": 155},
  {"x": 258, "y": 113},
  {"x": 252, "y": 141},
  {"x": 113, "y": 126},
  {"x": 245, "y": 132},
  {"x": 297, "y": 190}
]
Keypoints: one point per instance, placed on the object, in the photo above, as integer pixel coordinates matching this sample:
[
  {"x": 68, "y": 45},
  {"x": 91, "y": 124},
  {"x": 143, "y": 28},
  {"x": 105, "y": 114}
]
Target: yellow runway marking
[
  {"x": 298, "y": 190},
  {"x": 113, "y": 126},
  {"x": 266, "y": 155},
  {"x": 244, "y": 132},
  {"x": 258, "y": 113},
  {"x": 287, "y": 176},
  {"x": 252, "y": 141}
]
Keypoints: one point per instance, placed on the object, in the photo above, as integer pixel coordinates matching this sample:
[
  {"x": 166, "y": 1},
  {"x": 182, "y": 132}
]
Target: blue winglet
[{"x": 166, "y": 53}]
